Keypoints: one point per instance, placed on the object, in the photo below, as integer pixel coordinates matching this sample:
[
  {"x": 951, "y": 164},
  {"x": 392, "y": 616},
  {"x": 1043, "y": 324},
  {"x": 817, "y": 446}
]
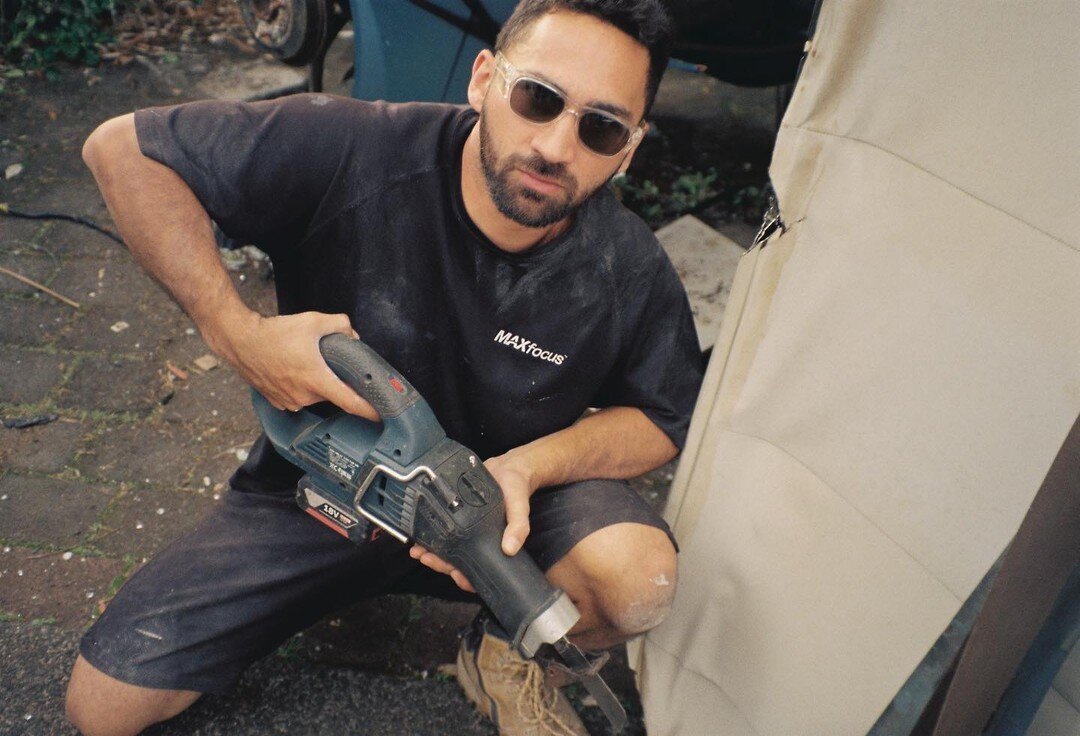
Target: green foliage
[
  {"x": 691, "y": 190},
  {"x": 292, "y": 649},
  {"x": 44, "y": 32},
  {"x": 656, "y": 205},
  {"x": 755, "y": 198}
]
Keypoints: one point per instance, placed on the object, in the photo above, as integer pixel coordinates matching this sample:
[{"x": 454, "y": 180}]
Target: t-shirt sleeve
[
  {"x": 660, "y": 366},
  {"x": 260, "y": 169}
]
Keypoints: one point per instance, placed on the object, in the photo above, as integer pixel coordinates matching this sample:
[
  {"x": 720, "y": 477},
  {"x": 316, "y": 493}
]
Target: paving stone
[
  {"x": 50, "y": 588},
  {"x": 219, "y": 396},
  {"x": 34, "y": 266},
  {"x": 70, "y": 189},
  {"x": 143, "y": 521},
  {"x": 113, "y": 384},
  {"x": 244, "y": 80},
  {"x": 34, "y": 320},
  {"x": 397, "y": 634},
  {"x": 158, "y": 454},
  {"x": 27, "y": 377},
  {"x": 16, "y": 232},
  {"x": 147, "y": 328},
  {"x": 219, "y": 459},
  {"x": 46, "y": 448},
  {"x": 71, "y": 239},
  {"x": 706, "y": 262},
  {"x": 102, "y": 283},
  {"x": 49, "y": 510},
  {"x": 181, "y": 347}
]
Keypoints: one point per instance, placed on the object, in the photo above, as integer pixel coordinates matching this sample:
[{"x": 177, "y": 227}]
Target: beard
[{"x": 519, "y": 203}]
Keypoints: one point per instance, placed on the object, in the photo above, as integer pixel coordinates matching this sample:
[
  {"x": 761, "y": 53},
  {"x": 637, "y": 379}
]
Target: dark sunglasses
[{"x": 540, "y": 103}]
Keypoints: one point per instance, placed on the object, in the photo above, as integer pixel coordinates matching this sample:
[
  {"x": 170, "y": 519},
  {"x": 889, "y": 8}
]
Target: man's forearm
[
  {"x": 169, "y": 232},
  {"x": 618, "y": 442},
  {"x": 166, "y": 228}
]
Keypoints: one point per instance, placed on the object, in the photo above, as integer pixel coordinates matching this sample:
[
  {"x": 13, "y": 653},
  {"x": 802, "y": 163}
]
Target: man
[{"x": 478, "y": 251}]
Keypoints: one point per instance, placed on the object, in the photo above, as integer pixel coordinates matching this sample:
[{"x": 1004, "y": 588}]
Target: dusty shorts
[{"x": 258, "y": 570}]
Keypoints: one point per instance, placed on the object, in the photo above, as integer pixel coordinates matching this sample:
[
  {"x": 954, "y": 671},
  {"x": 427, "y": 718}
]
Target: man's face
[{"x": 537, "y": 174}]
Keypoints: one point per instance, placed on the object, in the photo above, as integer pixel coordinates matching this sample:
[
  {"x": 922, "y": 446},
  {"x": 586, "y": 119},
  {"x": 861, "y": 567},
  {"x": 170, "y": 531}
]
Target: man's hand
[
  {"x": 279, "y": 356},
  {"x": 514, "y": 478}
]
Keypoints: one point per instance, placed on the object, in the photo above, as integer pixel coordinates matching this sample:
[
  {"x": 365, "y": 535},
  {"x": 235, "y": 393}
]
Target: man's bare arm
[
  {"x": 169, "y": 233},
  {"x": 618, "y": 442}
]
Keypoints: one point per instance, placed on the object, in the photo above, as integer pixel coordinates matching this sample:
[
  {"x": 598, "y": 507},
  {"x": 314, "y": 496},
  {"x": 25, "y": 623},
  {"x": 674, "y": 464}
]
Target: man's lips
[{"x": 539, "y": 183}]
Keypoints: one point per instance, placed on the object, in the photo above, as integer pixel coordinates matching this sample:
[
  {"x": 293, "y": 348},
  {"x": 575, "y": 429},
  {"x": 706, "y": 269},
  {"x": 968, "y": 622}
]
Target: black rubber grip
[
  {"x": 368, "y": 374},
  {"x": 514, "y": 588}
]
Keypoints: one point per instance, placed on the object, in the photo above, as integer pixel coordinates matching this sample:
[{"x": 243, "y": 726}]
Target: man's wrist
[
  {"x": 225, "y": 332},
  {"x": 533, "y": 464}
]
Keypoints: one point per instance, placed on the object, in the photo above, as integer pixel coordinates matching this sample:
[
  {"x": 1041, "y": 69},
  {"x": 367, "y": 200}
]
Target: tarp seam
[
  {"x": 703, "y": 676},
  {"x": 940, "y": 178},
  {"x": 851, "y": 505},
  {"x": 1066, "y": 697},
  {"x": 723, "y": 370}
]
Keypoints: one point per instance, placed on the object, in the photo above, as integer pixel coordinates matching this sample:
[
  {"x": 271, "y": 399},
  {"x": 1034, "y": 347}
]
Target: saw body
[{"x": 406, "y": 477}]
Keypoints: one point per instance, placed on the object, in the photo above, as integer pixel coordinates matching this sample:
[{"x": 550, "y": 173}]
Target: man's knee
[
  {"x": 628, "y": 571},
  {"x": 100, "y": 705},
  {"x": 640, "y": 599}
]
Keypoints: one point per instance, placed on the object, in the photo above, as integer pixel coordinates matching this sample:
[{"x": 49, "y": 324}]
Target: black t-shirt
[{"x": 359, "y": 207}]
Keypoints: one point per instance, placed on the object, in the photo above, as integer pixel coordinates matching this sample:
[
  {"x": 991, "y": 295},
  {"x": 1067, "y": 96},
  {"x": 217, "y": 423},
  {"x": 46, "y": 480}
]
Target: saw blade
[{"x": 575, "y": 659}]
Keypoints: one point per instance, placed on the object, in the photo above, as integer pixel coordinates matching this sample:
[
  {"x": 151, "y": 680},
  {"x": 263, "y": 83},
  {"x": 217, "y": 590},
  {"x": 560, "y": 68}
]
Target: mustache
[{"x": 540, "y": 166}]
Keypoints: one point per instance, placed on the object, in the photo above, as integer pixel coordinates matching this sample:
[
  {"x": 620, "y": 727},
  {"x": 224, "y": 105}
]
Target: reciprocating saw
[{"x": 405, "y": 476}]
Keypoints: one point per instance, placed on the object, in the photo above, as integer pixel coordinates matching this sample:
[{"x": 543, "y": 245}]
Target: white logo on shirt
[{"x": 528, "y": 347}]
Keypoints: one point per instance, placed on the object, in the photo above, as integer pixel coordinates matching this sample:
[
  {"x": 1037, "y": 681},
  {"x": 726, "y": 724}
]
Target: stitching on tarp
[
  {"x": 703, "y": 676},
  {"x": 936, "y": 176},
  {"x": 859, "y": 511}
]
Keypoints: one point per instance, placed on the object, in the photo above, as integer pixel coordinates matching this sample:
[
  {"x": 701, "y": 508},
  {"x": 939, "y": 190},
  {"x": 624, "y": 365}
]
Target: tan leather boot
[{"x": 512, "y": 691}]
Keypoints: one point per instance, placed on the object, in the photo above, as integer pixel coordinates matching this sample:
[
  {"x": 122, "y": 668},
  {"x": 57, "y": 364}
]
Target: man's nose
[{"x": 557, "y": 141}]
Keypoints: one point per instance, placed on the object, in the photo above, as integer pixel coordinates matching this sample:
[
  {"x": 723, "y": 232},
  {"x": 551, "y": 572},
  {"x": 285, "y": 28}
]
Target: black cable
[{"x": 6, "y": 210}]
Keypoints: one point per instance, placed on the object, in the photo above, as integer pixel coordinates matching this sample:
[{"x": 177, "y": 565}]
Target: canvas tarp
[{"x": 894, "y": 375}]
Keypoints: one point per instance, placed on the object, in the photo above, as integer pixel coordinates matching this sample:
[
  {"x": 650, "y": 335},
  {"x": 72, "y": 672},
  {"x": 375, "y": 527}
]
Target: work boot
[{"x": 510, "y": 690}]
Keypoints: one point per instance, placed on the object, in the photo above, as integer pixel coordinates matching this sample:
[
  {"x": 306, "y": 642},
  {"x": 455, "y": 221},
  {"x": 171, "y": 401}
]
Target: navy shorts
[{"x": 258, "y": 569}]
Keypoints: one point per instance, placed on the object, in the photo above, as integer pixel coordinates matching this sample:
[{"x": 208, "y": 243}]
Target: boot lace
[{"x": 535, "y": 701}]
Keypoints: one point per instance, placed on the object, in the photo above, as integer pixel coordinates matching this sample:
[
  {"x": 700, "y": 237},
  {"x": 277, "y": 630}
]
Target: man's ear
[
  {"x": 483, "y": 70},
  {"x": 630, "y": 153}
]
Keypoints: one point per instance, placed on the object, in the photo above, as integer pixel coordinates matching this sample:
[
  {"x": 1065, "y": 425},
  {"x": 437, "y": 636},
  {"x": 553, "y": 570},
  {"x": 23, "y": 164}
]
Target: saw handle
[
  {"x": 368, "y": 374},
  {"x": 514, "y": 588}
]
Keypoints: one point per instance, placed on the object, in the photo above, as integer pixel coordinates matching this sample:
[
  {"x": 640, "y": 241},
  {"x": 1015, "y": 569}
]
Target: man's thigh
[
  {"x": 560, "y": 517},
  {"x": 256, "y": 571},
  {"x": 563, "y": 516}
]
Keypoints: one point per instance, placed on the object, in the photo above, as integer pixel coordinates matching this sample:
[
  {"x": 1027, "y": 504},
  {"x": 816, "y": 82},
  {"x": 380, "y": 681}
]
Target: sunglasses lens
[
  {"x": 539, "y": 103},
  {"x": 533, "y": 101},
  {"x": 605, "y": 135}
]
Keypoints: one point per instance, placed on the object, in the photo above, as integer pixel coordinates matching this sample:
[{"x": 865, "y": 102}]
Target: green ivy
[
  {"x": 657, "y": 206},
  {"x": 44, "y": 32}
]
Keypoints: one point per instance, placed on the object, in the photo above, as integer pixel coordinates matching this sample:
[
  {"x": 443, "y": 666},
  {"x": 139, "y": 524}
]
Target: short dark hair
[{"x": 646, "y": 21}]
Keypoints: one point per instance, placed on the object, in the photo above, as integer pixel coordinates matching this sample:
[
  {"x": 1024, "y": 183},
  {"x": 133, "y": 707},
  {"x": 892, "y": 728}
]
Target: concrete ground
[{"x": 139, "y": 442}]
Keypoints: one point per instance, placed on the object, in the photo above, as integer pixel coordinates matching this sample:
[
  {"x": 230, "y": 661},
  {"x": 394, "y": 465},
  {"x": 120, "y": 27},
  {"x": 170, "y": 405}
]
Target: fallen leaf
[
  {"x": 176, "y": 371},
  {"x": 120, "y": 326},
  {"x": 12, "y": 171}
]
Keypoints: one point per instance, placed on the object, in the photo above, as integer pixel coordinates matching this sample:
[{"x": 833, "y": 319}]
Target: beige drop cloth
[{"x": 894, "y": 374}]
